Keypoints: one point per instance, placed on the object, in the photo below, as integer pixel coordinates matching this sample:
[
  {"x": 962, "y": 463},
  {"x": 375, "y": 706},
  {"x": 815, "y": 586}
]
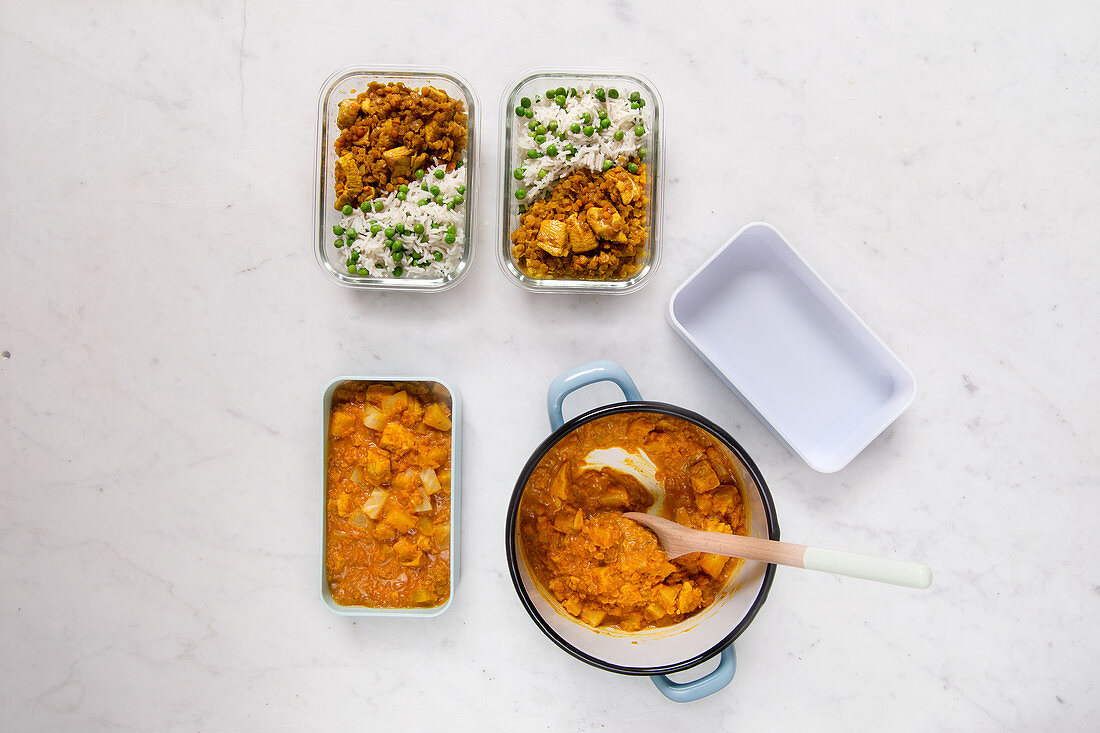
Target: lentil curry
[
  {"x": 389, "y": 132},
  {"x": 388, "y": 496},
  {"x": 610, "y": 571},
  {"x": 591, "y": 226}
]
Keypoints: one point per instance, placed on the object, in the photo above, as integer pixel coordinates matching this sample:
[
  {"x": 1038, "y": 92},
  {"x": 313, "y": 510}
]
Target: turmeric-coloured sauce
[
  {"x": 610, "y": 571},
  {"x": 388, "y": 497}
]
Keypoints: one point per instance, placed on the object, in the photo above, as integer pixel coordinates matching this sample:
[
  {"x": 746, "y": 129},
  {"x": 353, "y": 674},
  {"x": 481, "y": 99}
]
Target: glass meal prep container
[
  {"x": 427, "y": 534},
  {"x": 345, "y": 84},
  {"x": 518, "y": 171}
]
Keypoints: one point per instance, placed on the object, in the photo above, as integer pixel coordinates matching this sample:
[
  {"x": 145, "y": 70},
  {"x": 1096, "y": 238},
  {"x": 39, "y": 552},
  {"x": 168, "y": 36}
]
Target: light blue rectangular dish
[
  {"x": 450, "y": 397},
  {"x": 798, "y": 357}
]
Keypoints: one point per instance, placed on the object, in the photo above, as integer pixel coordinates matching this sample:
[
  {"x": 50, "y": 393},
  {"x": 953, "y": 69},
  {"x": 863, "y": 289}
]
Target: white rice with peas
[{"x": 419, "y": 236}]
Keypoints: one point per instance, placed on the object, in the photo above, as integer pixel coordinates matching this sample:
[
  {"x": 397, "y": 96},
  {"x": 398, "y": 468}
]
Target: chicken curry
[
  {"x": 609, "y": 571},
  {"x": 387, "y": 501},
  {"x": 591, "y": 226}
]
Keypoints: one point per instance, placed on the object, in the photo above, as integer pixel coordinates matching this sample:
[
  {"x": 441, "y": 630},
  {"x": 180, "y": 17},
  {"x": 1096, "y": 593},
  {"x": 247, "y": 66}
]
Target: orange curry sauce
[
  {"x": 388, "y": 497},
  {"x": 610, "y": 571}
]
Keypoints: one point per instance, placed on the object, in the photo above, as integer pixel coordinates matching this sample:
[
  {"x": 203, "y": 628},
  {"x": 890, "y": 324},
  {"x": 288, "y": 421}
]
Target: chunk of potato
[
  {"x": 593, "y": 616},
  {"x": 399, "y": 519},
  {"x": 377, "y": 466},
  {"x": 342, "y": 424},
  {"x": 436, "y": 417},
  {"x": 703, "y": 477},
  {"x": 713, "y": 565}
]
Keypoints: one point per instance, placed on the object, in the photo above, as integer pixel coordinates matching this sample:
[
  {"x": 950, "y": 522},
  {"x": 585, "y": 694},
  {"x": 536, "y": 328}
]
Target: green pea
[
  {"x": 460, "y": 189},
  {"x": 401, "y": 196},
  {"x": 449, "y": 239},
  {"x": 419, "y": 173},
  {"x": 560, "y": 91},
  {"x": 338, "y": 243},
  {"x": 551, "y": 150},
  {"x": 532, "y": 125},
  {"x": 451, "y": 206},
  {"x": 390, "y": 231},
  {"x": 375, "y": 228},
  {"x": 346, "y": 211},
  {"x": 363, "y": 271},
  {"x": 434, "y": 190},
  {"x": 642, "y": 152},
  {"x": 552, "y": 125},
  {"x": 518, "y": 173},
  {"x": 605, "y": 123},
  {"x": 438, "y": 256},
  {"x": 398, "y": 271},
  {"x": 423, "y": 186},
  {"x": 337, "y": 229},
  {"x": 540, "y": 139},
  {"x": 533, "y": 154},
  {"x": 600, "y": 94},
  {"x": 521, "y": 193},
  {"x": 438, "y": 200},
  {"x": 418, "y": 228},
  {"x": 613, "y": 93},
  {"x": 561, "y": 100},
  {"x": 588, "y": 130},
  {"x": 575, "y": 128},
  {"x": 634, "y": 96},
  {"x": 452, "y": 229},
  {"x": 550, "y": 93},
  {"x": 542, "y": 173},
  {"x": 618, "y": 135},
  {"x": 529, "y": 113},
  {"x": 378, "y": 206},
  {"x": 633, "y": 167},
  {"x": 602, "y": 114},
  {"x": 403, "y": 188},
  {"x": 400, "y": 228},
  {"x": 587, "y": 118},
  {"x": 398, "y": 256},
  {"x": 635, "y": 105},
  {"x": 364, "y": 207},
  {"x": 573, "y": 92},
  {"x": 458, "y": 164},
  {"x": 353, "y": 257},
  {"x": 540, "y": 130},
  {"x": 440, "y": 173},
  {"x": 639, "y": 130},
  {"x": 525, "y": 102},
  {"x": 351, "y": 234},
  {"x": 351, "y": 269},
  {"x": 425, "y": 202},
  {"x": 457, "y": 200},
  {"x": 608, "y": 165},
  {"x": 520, "y": 111}
]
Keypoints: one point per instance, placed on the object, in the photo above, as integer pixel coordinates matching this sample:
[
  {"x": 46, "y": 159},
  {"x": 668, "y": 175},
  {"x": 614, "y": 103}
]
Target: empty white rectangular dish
[{"x": 789, "y": 347}]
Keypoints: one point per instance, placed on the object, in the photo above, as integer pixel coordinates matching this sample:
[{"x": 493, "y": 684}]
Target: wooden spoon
[{"x": 677, "y": 540}]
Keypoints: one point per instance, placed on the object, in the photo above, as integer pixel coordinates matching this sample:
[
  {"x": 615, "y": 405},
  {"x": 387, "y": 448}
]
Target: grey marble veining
[{"x": 165, "y": 336}]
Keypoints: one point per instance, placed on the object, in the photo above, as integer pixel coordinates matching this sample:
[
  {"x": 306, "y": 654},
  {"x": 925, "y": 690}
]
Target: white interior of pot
[{"x": 668, "y": 645}]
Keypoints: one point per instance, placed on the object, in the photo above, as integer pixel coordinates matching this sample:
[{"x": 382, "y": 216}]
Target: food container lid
[{"x": 786, "y": 344}]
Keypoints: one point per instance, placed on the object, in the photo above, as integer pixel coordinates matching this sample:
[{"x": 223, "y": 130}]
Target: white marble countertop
[{"x": 166, "y": 336}]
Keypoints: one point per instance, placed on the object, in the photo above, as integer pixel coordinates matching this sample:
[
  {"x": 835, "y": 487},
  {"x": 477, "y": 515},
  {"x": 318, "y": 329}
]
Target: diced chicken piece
[
  {"x": 397, "y": 439},
  {"x": 347, "y": 112},
  {"x": 628, "y": 188},
  {"x": 615, "y": 496},
  {"x": 399, "y": 160},
  {"x": 572, "y": 605},
  {"x": 581, "y": 238},
  {"x": 377, "y": 466},
  {"x": 365, "y": 106},
  {"x": 343, "y": 505},
  {"x": 435, "y": 457},
  {"x": 342, "y": 424},
  {"x": 593, "y": 617},
  {"x": 703, "y": 477},
  {"x": 408, "y": 553},
  {"x": 725, "y": 499},
  {"x": 559, "y": 483},
  {"x": 399, "y": 519},
  {"x": 353, "y": 181},
  {"x": 436, "y": 417},
  {"x": 607, "y": 223},
  {"x": 552, "y": 238},
  {"x": 419, "y": 160}
]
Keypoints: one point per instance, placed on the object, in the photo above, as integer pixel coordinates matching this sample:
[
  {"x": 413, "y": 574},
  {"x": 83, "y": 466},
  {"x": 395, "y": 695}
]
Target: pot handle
[
  {"x": 700, "y": 688},
  {"x": 582, "y": 376}
]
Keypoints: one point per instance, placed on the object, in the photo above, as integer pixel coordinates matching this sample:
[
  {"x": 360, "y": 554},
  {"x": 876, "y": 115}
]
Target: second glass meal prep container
[{"x": 534, "y": 83}]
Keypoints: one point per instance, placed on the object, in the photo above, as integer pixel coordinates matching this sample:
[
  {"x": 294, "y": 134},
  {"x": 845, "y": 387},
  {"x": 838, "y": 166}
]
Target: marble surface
[{"x": 166, "y": 335}]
